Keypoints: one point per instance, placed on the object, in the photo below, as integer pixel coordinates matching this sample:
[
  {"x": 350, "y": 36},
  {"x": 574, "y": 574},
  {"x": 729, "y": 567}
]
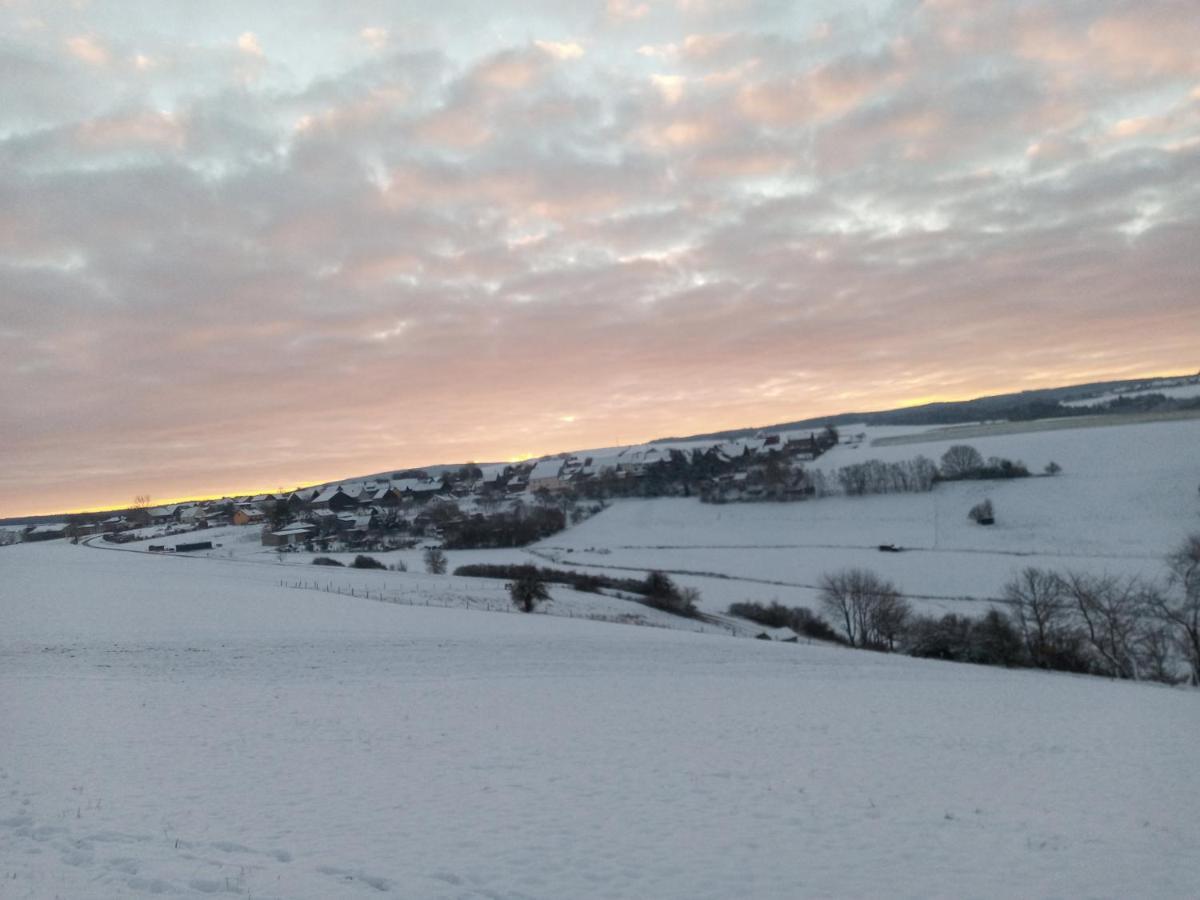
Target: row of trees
[
  {"x": 963, "y": 461},
  {"x": 877, "y": 477},
  {"x": 1119, "y": 627}
]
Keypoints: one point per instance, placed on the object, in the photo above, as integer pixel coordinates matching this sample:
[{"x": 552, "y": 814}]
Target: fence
[{"x": 481, "y": 604}]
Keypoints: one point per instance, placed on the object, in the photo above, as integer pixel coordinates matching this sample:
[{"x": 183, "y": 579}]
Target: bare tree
[
  {"x": 869, "y": 609},
  {"x": 1036, "y": 599},
  {"x": 960, "y": 461},
  {"x": 1113, "y": 613},
  {"x": 140, "y": 511},
  {"x": 1178, "y": 607}
]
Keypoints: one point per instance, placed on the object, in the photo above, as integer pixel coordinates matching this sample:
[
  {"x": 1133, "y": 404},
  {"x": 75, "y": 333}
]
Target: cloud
[
  {"x": 562, "y": 50},
  {"x": 714, "y": 216},
  {"x": 89, "y": 49},
  {"x": 626, "y": 10},
  {"x": 375, "y": 37}
]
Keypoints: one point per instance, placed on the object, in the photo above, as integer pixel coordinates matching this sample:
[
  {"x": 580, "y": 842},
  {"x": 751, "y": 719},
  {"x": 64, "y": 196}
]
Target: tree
[
  {"x": 1052, "y": 468},
  {"x": 1036, "y": 600},
  {"x": 662, "y": 593},
  {"x": 528, "y": 589},
  {"x": 140, "y": 511},
  {"x": 1178, "y": 608},
  {"x": 1113, "y": 613},
  {"x": 435, "y": 561},
  {"x": 278, "y": 514},
  {"x": 961, "y": 461},
  {"x": 869, "y": 609}
]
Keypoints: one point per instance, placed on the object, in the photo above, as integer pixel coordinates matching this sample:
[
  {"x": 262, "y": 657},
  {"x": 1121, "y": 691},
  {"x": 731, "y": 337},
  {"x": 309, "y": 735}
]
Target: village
[{"x": 490, "y": 505}]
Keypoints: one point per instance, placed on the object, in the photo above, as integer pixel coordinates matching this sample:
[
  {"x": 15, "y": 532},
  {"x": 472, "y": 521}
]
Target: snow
[
  {"x": 188, "y": 726},
  {"x": 1127, "y": 495},
  {"x": 1178, "y": 389}
]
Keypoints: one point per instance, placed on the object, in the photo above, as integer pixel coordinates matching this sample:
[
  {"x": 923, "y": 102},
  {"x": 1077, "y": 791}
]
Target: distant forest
[{"x": 1047, "y": 403}]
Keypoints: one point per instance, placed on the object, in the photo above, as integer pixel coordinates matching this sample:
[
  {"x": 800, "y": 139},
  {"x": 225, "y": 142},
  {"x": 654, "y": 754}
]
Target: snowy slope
[
  {"x": 188, "y": 728},
  {"x": 1127, "y": 494}
]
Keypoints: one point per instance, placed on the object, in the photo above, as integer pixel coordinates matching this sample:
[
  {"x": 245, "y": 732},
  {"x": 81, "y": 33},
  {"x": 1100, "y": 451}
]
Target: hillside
[
  {"x": 186, "y": 727},
  {"x": 1127, "y": 494}
]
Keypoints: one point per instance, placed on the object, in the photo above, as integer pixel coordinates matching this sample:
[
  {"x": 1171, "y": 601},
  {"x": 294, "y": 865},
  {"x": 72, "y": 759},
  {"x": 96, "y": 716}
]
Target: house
[
  {"x": 47, "y": 532},
  {"x": 247, "y": 515},
  {"x": 352, "y": 523},
  {"x": 419, "y": 489},
  {"x": 334, "y": 498},
  {"x": 297, "y": 501},
  {"x": 190, "y": 515},
  {"x": 160, "y": 515},
  {"x": 545, "y": 476},
  {"x": 802, "y": 448},
  {"x": 387, "y": 497},
  {"x": 295, "y": 533},
  {"x": 492, "y": 476}
]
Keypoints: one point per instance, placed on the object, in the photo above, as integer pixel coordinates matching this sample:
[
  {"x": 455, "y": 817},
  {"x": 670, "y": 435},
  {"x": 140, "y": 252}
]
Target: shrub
[
  {"x": 800, "y": 619},
  {"x": 367, "y": 562},
  {"x": 1052, "y": 468},
  {"x": 580, "y": 581},
  {"x": 398, "y": 566},
  {"x": 982, "y": 513},
  {"x": 326, "y": 561},
  {"x": 662, "y": 593},
  {"x": 528, "y": 589},
  {"x": 435, "y": 561}
]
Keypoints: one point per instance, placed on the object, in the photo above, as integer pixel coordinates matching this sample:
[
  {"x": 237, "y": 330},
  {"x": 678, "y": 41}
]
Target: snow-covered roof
[
  {"x": 418, "y": 485},
  {"x": 492, "y": 472},
  {"x": 328, "y": 494},
  {"x": 48, "y": 528},
  {"x": 301, "y": 528},
  {"x": 546, "y": 468}
]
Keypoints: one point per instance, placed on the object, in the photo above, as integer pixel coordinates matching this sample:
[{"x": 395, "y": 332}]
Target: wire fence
[{"x": 482, "y": 604}]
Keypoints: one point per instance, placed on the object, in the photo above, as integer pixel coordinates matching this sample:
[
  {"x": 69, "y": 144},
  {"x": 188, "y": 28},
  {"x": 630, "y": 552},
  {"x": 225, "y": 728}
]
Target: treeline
[
  {"x": 504, "y": 529},
  {"x": 917, "y": 475},
  {"x": 877, "y": 477},
  {"x": 656, "y": 590},
  {"x": 800, "y": 619},
  {"x": 1128, "y": 628}
]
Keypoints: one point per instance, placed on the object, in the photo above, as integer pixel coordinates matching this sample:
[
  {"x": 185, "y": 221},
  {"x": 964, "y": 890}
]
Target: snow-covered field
[
  {"x": 1176, "y": 388},
  {"x": 1127, "y": 495},
  {"x": 188, "y": 727}
]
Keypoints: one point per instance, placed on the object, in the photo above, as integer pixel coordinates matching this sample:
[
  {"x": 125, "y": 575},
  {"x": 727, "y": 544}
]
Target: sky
[{"x": 246, "y": 246}]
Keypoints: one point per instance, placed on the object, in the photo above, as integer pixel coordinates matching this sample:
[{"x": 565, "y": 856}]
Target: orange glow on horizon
[{"x": 580, "y": 440}]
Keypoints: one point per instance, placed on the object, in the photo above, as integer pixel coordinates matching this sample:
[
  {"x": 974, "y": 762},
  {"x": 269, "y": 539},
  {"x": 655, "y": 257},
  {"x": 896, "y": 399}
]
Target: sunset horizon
[
  {"x": 348, "y": 472},
  {"x": 242, "y": 248}
]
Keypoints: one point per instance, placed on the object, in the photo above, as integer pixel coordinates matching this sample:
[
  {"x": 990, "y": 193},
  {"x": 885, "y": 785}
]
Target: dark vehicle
[{"x": 890, "y": 548}]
